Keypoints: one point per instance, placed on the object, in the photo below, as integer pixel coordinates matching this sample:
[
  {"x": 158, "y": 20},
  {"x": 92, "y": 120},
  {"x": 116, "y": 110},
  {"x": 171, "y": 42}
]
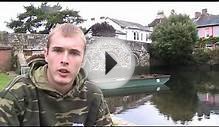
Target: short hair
[{"x": 67, "y": 30}]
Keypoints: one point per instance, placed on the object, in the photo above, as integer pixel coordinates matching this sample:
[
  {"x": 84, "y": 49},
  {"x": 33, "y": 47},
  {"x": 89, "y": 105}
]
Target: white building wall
[
  {"x": 142, "y": 35},
  {"x": 121, "y": 36},
  {"x": 129, "y": 32}
]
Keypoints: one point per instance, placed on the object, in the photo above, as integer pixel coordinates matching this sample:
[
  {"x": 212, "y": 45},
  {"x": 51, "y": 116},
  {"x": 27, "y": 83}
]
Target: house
[
  {"x": 207, "y": 24},
  {"x": 126, "y": 30},
  {"x": 159, "y": 18}
]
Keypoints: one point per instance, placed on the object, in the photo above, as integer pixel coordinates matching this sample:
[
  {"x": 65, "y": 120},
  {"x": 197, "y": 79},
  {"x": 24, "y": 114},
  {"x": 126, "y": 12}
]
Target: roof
[
  {"x": 207, "y": 20},
  {"x": 154, "y": 22},
  {"x": 157, "y": 20},
  {"x": 120, "y": 32},
  {"x": 130, "y": 25}
]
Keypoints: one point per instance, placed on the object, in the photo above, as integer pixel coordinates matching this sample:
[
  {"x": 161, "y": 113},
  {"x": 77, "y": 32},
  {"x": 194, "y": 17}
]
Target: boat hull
[{"x": 143, "y": 85}]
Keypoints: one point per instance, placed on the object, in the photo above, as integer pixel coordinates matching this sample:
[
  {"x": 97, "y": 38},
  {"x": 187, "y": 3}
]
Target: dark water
[{"x": 193, "y": 99}]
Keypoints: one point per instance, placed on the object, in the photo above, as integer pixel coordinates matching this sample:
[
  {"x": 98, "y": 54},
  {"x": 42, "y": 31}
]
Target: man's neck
[{"x": 61, "y": 88}]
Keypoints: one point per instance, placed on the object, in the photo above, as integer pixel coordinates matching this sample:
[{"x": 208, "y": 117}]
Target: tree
[
  {"x": 103, "y": 29},
  {"x": 174, "y": 39},
  {"x": 173, "y": 12},
  {"x": 42, "y": 19}
]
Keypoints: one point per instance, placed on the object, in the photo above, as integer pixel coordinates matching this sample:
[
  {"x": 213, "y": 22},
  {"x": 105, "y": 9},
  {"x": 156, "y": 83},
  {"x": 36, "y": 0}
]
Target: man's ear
[
  {"x": 84, "y": 58},
  {"x": 46, "y": 54},
  {"x": 83, "y": 63}
]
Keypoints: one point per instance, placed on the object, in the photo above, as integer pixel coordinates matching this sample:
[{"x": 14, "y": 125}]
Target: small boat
[{"x": 139, "y": 84}]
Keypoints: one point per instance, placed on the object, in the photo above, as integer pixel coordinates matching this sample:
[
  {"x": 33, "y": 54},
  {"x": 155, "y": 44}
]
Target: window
[
  {"x": 147, "y": 37},
  {"x": 137, "y": 35},
  {"x": 142, "y": 36},
  {"x": 134, "y": 36}
]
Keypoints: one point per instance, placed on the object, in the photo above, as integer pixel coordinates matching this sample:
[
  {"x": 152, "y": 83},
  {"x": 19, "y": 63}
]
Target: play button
[{"x": 109, "y": 62}]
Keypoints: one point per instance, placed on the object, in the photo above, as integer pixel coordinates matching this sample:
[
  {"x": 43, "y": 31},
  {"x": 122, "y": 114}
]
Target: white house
[{"x": 126, "y": 30}]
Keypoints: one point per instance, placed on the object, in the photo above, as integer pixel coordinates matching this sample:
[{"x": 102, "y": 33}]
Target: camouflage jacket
[{"x": 28, "y": 100}]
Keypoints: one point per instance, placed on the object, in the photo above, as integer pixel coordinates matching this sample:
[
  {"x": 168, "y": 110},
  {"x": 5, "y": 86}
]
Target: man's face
[{"x": 64, "y": 57}]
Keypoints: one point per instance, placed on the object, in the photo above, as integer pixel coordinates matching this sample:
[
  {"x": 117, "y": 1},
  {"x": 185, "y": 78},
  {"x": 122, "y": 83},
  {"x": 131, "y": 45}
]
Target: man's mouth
[{"x": 64, "y": 71}]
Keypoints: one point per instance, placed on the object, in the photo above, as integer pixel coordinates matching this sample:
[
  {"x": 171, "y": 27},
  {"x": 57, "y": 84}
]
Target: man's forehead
[
  {"x": 74, "y": 41},
  {"x": 73, "y": 36},
  {"x": 65, "y": 47}
]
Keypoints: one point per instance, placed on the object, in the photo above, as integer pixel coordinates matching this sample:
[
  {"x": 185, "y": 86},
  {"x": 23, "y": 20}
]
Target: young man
[{"x": 55, "y": 91}]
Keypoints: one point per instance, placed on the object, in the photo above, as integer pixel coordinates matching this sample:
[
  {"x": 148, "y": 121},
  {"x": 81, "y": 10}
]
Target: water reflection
[
  {"x": 181, "y": 102},
  {"x": 193, "y": 99},
  {"x": 209, "y": 103},
  {"x": 119, "y": 104}
]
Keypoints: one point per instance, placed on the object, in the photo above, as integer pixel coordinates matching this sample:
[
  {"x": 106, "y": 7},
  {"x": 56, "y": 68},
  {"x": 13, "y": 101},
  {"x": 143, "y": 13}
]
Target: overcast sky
[{"x": 139, "y": 12}]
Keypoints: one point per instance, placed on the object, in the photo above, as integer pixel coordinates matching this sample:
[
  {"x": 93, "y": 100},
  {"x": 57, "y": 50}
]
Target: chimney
[
  {"x": 102, "y": 17},
  {"x": 160, "y": 15},
  {"x": 197, "y": 15},
  {"x": 92, "y": 19},
  {"x": 204, "y": 11}
]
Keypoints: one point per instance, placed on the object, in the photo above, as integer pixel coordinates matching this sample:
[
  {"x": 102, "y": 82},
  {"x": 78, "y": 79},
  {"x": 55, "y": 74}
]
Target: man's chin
[{"x": 64, "y": 82}]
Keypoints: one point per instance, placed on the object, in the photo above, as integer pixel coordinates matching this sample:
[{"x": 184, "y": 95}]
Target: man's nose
[{"x": 65, "y": 60}]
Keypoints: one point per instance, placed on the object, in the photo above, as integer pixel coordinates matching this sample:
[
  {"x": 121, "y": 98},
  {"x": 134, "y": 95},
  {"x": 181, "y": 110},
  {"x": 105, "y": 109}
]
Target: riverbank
[{"x": 5, "y": 78}]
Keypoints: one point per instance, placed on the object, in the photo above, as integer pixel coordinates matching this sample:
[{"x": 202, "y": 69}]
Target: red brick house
[{"x": 207, "y": 24}]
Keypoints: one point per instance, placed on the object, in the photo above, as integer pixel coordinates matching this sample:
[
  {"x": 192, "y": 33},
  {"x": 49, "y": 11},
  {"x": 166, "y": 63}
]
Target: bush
[
  {"x": 210, "y": 40},
  {"x": 201, "y": 56},
  {"x": 214, "y": 56}
]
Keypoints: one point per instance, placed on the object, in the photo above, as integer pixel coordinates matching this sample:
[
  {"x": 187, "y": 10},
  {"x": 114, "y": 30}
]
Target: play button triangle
[{"x": 109, "y": 63}]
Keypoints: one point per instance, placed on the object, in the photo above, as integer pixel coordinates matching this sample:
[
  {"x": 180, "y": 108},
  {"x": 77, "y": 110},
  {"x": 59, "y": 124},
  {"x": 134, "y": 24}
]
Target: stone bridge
[{"x": 139, "y": 49}]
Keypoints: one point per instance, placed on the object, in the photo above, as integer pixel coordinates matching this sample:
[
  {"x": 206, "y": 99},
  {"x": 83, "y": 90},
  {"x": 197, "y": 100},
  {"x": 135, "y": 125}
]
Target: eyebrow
[{"x": 71, "y": 50}]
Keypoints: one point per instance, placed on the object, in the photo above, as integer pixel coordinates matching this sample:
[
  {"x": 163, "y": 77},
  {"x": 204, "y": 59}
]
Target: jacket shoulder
[
  {"x": 17, "y": 87},
  {"x": 92, "y": 88}
]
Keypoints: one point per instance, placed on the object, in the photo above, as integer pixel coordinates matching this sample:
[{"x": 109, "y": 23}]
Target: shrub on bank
[
  {"x": 206, "y": 56},
  {"x": 201, "y": 55},
  {"x": 214, "y": 56}
]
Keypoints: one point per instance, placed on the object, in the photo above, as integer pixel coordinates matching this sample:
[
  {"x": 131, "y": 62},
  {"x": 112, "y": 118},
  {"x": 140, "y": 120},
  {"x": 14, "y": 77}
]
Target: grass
[{"x": 4, "y": 80}]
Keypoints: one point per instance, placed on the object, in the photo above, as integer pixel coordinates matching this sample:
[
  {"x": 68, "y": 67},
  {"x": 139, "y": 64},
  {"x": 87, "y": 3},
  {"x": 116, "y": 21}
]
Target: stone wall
[
  {"x": 20, "y": 41},
  {"x": 5, "y": 58},
  {"x": 31, "y": 43}
]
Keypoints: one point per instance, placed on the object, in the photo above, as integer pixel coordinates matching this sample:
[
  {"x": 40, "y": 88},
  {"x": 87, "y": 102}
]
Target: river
[{"x": 192, "y": 99}]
